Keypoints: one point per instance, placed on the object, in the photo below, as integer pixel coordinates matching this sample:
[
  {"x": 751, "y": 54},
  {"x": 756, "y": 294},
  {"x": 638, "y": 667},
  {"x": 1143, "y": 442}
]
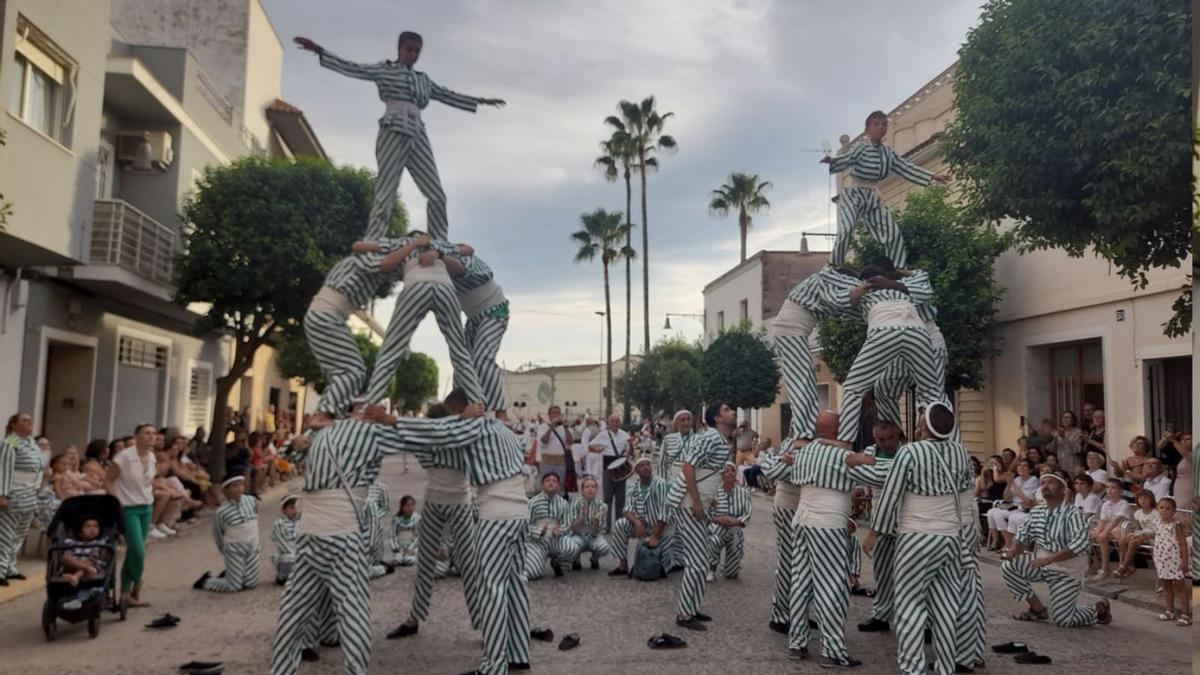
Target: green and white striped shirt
[
  {"x": 647, "y": 502},
  {"x": 824, "y": 465},
  {"x": 231, "y": 514},
  {"x": 672, "y": 451},
  {"x": 493, "y": 453},
  {"x": 879, "y": 470},
  {"x": 775, "y": 469},
  {"x": 706, "y": 450},
  {"x": 542, "y": 508},
  {"x": 23, "y": 455},
  {"x": 920, "y": 291},
  {"x": 357, "y": 276},
  {"x": 1056, "y": 530},
  {"x": 477, "y": 272},
  {"x": 283, "y": 533},
  {"x": 399, "y": 83},
  {"x": 734, "y": 503},
  {"x": 876, "y": 161},
  {"x": 354, "y": 449},
  {"x": 818, "y": 294},
  {"x": 594, "y": 513},
  {"x": 926, "y": 468}
]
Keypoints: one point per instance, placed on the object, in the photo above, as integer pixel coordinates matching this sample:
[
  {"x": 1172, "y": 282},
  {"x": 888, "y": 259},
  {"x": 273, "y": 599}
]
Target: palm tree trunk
[
  {"x": 608, "y": 394},
  {"x": 743, "y": 226},
  {"x": 628, "y": 274},
  {"x": 645, "y": 260}
]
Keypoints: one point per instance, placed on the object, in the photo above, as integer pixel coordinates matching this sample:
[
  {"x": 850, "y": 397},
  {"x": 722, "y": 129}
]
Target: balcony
[{"x": 128, "y": 238}]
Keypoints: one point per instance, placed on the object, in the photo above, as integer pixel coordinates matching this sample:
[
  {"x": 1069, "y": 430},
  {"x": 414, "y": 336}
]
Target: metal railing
[{"x": 124, "y": 236}]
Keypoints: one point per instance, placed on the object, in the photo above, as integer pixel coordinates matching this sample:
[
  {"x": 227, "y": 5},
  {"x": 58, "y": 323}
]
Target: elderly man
[
  {"x": 611, "y": 444},
  {"x": 1051, "y": 546},
  {"x": 554, "y": 442},
  {"x": 672, "y": 444},
  {"x": 1156, "y": 480},
  {"x": 645, "y": 515}
]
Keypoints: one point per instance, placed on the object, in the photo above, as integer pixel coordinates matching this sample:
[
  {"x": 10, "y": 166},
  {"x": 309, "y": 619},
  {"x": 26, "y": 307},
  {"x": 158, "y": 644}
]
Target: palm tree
[
  {"x": 741, "y": 193},
  {"x": 601, "y": 235},
  {"x": 617, "y": 161},
  {"x": 641, "y": 125}
]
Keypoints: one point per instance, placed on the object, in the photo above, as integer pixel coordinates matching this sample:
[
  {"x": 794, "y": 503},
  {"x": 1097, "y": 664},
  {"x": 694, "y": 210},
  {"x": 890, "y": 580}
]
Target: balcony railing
[{"x": 124, "y": 236}]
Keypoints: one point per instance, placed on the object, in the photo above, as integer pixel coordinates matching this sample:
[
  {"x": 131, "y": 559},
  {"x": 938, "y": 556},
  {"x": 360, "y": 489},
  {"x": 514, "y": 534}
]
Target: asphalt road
[{"x": 613, "y": 618}]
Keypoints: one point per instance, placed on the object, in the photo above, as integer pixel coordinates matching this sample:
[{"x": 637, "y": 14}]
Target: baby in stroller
[{"x": 85, "y": 557}]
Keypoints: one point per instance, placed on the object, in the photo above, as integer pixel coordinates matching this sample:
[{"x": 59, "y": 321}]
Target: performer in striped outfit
[
  {"x": 350, "y": 285},
  {"x": 894, "y": 382},
  {"x": 284, "y": 534},
  {"x": 235, "y": 530},
  {"x": 887, "y": 441},
  {"x": 645, "y": 516},
  {"x": 870, "y": 162},
  {"x": 404, "y": 540},
  {"x": 549, "y": 512},
  {"x": 672, "y": 446},
  {"x": 1051, "y": 547},
  {"x": 895, "y": 336},
  {"x": 730, "y": 516},
  {"x": 341, "y": 461},
  {"x": 704, "y": 458},
  {"x": 402, "y": 141},
  {"x": 589, "y": 519},
  {"x": 821, "y": 557},
  {"x": 777, "y": 466},
  {"x": 486, "y": 307},
  {"x": 21, "y": 467},
  {"x": 920, "y": 506},
  {"x": 427, "y": 288},
  {"x": 376, "y": 509}
]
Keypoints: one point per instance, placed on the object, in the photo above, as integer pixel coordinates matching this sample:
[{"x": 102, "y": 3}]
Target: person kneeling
[
  {"x": 645, "y": 514},
  {"x": 547, "y": 512},
  {"x": 588, "y": 518},
  {"x": 284, "y": 534},
  {"x": 730, "y": 517},
  {"x": 235, "y": 529}
]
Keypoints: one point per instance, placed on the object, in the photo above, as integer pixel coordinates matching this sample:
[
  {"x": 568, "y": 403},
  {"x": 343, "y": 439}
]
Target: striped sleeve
[
  {"x": 1078, "y": 531},
  {"x": 846, "y": 160},
  {"x": 359, "y": 71},
  {"x": 908, "y": 170},
  {"x": 410, "y": 434},
  {"x": 887, "y": 511},
  {"x": 1034, "y": 526},
  {"x": 772, "y": 466},
  {"x": 742, "y": 507},
  {"x": 219, "y": 526},
  {"x": 8, "y": 458},
  {"x": 920, "y": 289},
  {"x": 453, "y": 99}
]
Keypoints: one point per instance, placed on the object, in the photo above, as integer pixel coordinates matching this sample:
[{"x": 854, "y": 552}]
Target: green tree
[
  {"x": 669, "y": 378},
  {"x": 600, "y": 238},
  {"x": 618, "y": 161},
  {"x": 261, "y": 235},
  {"x": 740, "y": 369},
  {"x": 641, "y": 126},
  {"x": 1072, "y": 118},
  {"x": 415, "y": 383},
  {"x": 293, "y": 358},
  {"x": 743, "y": 193},
  {"x": 959, "y": 258}
]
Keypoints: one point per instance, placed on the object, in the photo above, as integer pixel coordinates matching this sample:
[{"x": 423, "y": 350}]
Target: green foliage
[
  {"x": 5, "y": 206},
  {"x": 739, "y": 368},
  {"x": 741, "y": 194},
  {"x": 1072, "y": 118},
  {"x": 601, "y": 237},
  {"x": 959, "y": 258},
  {"x": 669, "y": 378},
  {"x": 415, "y": 383},
  {"x": 294, "y": 359}
]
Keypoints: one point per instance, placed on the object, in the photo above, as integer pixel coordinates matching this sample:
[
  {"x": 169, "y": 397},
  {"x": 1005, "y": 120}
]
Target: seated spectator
[
  {"x": 97, "y": 449},
  {"x": 1035, "y": 458},
  {"x": 1155, "y": 479},
  {"x": 1114, "y": 511},
  {"x": 1086, "y": 499},
  {"x": 1009, "y": 460},
  {"x": 191, "y": 477},
  {"x": 1146, "y": 518},
  {"x": 1050, "y": 465},
  {"x": 990, "y": 486},
  {"x": 1171, "y": 552},
  {"x": 169, "y": 499},
  {"x": 1095, "y": 469},
  {"x": 1131, "y": 468},
  {"x": 84, "y": 559},
  {"x": 258, "y": 472},
  {"x": 93, "y": 475},
  {"x": 237, "y": 457},
  {"x": 1021, "y": 490}
]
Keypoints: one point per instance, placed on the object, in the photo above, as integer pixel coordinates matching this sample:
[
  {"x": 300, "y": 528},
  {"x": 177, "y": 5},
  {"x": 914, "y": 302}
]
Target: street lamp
[
  {"x": 804, "y": 239},
  {"x": 667, "y": 323}
]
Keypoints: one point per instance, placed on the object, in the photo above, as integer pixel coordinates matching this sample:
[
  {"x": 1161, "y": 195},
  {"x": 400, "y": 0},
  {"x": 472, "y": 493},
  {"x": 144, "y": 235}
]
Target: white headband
[
  {"x": 288, "y": 500},
  {"x": 230, "y": 481},
  {"x": 929, "y": 425},
  {"x": 1055, "y": 477},
  {"x": 680, "y": 413},
  {"x": 730, "y": 464},
  {"x": 643, "y": 458}
]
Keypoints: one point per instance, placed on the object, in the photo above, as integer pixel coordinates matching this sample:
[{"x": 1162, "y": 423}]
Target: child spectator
[
  {"x": 235, "y": 530},
  {"x": 86, "y": 559},
  {"x": 1095, "y": 469},
  {"x": 404, "y": 532},
  {"x": 1086, "y": 499},
  {"x": 1171, "y": 561},
  {"x": 1113, "y": 513},
  {"x": 1147, "y": 518},
  {"x": 283, "y": 533}
]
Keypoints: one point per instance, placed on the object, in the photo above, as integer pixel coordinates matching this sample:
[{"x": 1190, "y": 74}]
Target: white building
[{"x": 531, "y": 390}]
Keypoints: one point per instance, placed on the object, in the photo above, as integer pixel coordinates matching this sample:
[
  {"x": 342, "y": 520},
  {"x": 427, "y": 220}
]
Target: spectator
[
  {"x": 115, "y": 446},
  {"x": 237, "y": 457},
  {"x": 1095, "y": 469},
  {"x": 1068, "y": 442},
  {"x": 1131, "y": 468},
  {"x": 97, "y": 449},
  {"x": 190, "y": 477},
  {"x": 1021, "y": 492},
  {"x": 1035, "y": 458},
  {"x": 93, "y": 474},
  {"x": 1050, "y": 465},
  {"x": 270, "y": 419},
  {"x": 131, "y": 479},
  {"x": 1087, "y": 412},
  {"x": 1094, "y": 439},
  {"x": 198, "y": 447},
  {"x": 1009, "y": 458},
  {"x": 403, "y": 538},
  {"x": 1086, "y": 499},
  {"x": 168, "y": 500},
  {"x": 1171, "y": 561},
  {"x": 745, "y": 439},
  {"x": 1156, "y": 480},
  {"x": 1145, "y": 519},
  {"x": 1183, "y": 470},
  {"x": 1114, "y": 511},
  {"x": 990, "y": 486},
  {"x": 258, "y": 467},
  {"x": 1041, "y": 437}
]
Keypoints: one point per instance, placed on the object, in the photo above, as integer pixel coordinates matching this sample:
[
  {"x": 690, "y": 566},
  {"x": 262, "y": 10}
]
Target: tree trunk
[
  {"x": 243, "y": 358},
  {"x": 743, "y": 225},
  {"x": 608, "y": 395},
  {"x": 628, "y": 274},
  {"x": 645, "y": 260}
]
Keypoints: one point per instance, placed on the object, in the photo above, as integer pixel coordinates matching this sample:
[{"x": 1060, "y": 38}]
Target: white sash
[
  {"x": 26, "y": 479},
  {"x": 706, "y": 487},
  {"x": 1075, "y": 567},
  {"x": 481, "y": 299},
  {"x": 921, "y": 514},
  {"x": 855, "y": 182},
  {"x": 331, "y": 300},
  {"x": 446, "y": 486},
  {"x": 794, "y": 319},
  {"x": 330, "y": 512},
  {"x": 503, "y": 500},
  {"x": 787, "y": 496},
  {"x": 403, "y": 116},
  {"x": 968, "y": 507},
  {"x": 894, "y": 314},
  {"x": 823, "y": 508},
  {"x": 244, "y": 533},
  {"x": 434, "y": 274}
]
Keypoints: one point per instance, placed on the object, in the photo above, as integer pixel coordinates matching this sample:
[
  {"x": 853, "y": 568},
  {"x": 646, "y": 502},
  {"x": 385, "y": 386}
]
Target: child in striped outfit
[
  {"x": 284, "y": 534},
  {"x": 235, "y": 530}
]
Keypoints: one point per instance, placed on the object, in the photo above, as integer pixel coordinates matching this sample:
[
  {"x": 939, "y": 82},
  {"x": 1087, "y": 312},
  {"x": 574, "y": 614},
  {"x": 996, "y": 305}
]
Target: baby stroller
[{"x": 107, "y": 510}]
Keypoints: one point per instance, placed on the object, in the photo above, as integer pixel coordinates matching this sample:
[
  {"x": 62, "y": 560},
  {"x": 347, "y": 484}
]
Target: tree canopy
[
  {"x": 415, "y": 383},
  {"x": 740, "y": 369},
  {"x": 1073, "y": 119},
  {"x": 742, "y": 194},
  {"x": 667, "y": 379}
]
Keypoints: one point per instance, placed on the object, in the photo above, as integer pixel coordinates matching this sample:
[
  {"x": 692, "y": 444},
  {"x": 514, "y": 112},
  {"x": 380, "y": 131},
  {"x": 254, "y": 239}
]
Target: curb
[{"x": 1125, "y": 596}]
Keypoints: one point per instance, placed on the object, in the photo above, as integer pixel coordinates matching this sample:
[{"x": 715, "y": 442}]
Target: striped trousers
[
  {"x": 883, "y": 565},
  {"x": 970, "y": 633},
  {"x": 504, "y": 615},
  {"x": 855, "y": 563},
  {"x": 893, "y": 383},
  {"x": 796, "y": 362},
  {"x": 333, "y": 346},
  {"x": 730, "y": 541},
  {"x": 15, "y": 520},
  {"x": 561, "y": 549},
  {"x": 395, "y": 151},
  {"x": 333, "y": 567},
  {"x": 908, "y": 350},
  {"x": 857, "y": 204},
  {"x": 785, "y": 539},
  {"x": 820, "y": 589},
  {"x": 596, "y": 544},
  {"x": 696, "y": 549},
  {"x": 484, "y": 335},
  {"x": 928, "y": 580},
  {"x": 242, "y": 561},
  {"x": 415, "y": 301},
  {"x": 438, "y": 523},
  {"x": 1019, "y": 575}
]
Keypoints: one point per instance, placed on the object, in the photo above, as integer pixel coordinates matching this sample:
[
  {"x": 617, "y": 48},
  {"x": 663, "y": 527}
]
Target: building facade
[{"x": 531, "y": 390}]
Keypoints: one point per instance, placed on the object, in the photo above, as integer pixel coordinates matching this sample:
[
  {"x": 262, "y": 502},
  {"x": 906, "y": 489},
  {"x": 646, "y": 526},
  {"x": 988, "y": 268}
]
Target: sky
[{"x": 754, "y": 85}]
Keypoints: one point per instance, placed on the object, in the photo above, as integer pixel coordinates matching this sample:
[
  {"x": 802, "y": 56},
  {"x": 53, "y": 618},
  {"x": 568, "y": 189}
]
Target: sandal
[
  {"x": 1032, "y": 658},
  {"x": 1184, "y": 620},
  {"x": 1167, "y": 616},
  {"x": 571, "y": 641},
  {"x": 665, "y": 641},
  {"x": 1030, "y": 615},
  {"x": 543, "y": 634},
  {"x": 1103, "y": 616}
]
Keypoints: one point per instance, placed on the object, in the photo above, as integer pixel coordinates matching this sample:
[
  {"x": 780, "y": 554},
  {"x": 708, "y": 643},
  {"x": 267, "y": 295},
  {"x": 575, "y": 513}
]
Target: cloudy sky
[{"x": 754, "y": 85}]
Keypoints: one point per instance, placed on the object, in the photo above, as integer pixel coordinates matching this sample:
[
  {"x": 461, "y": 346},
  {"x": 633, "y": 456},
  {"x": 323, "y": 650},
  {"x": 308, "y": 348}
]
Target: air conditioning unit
[{"x": 145, "y": 150}]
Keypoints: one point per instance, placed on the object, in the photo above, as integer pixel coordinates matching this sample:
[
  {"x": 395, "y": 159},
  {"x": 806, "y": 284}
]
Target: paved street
[{"x": 613, "y": 618}]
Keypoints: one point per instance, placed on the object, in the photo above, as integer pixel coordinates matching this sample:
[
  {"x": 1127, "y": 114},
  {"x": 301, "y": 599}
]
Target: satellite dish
[{"x": 544, "y": 393}]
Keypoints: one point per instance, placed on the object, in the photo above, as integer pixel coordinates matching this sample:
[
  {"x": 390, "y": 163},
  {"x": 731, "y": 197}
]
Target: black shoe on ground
[
  {"x": 558, "y": 571},
  {"x": 518, "y": 666},
  {"x": 199, "y": 585},
  {"x": 618, "y": 572},
  {"x": 690, "y": 623},
  {"x": 17, "y": 576},
  {"x": 798, "y": 654},
  {"x": 595, "y": 564},
  {"x": 840, "y": 664},
  {"x": 403, "y": 630},
  {"x": 703, "y": 617},
  {"x": 279, "y": 581},
  {"x": 576, "y": 566},
  {"x": 780, "y": 627},
  {"x": 874, "y": 625},
  {"x": 309, "y": 654},
  {"x": 3, "y": 582}
]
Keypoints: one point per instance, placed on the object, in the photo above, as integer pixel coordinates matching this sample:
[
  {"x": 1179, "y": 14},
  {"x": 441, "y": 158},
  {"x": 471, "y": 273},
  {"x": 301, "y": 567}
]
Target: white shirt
[
  {"x": 615, "y": 443},
  {"x": 1110, "y": 510},
  {"x": 1099, "y": 476},
  {"x": 551, "y": 445},
  {"x": 1160, "y": 485},
  {"x": 135, "y": 485},
  {"x": 1089, "y": 503}
]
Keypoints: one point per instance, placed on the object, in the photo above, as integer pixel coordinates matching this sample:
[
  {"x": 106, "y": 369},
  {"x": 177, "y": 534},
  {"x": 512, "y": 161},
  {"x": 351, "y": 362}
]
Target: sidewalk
[{"x": 1137, "y": 591}]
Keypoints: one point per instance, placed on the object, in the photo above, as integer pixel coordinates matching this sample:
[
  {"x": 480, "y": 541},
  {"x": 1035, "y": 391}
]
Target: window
[
  {"x": 40, "y": 83},
  {"x": 744, "y": 310},
  {"x": 142, "y": 354},
  {"x": 1076, "y": 377},
  {"x": 199, "y": 396},
  {"x": 720, "y": 321}
]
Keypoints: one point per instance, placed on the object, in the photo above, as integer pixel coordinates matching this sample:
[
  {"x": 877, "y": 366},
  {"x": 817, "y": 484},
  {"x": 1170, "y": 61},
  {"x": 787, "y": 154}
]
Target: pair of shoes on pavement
[
  {"x": 801, "y": 654},
  {"x": 618, "y": 572},
  {"x": 695, "y": 622}
]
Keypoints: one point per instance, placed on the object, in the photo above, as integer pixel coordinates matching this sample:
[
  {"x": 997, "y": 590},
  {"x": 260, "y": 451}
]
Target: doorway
[{"x": 66, "y": 405}]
